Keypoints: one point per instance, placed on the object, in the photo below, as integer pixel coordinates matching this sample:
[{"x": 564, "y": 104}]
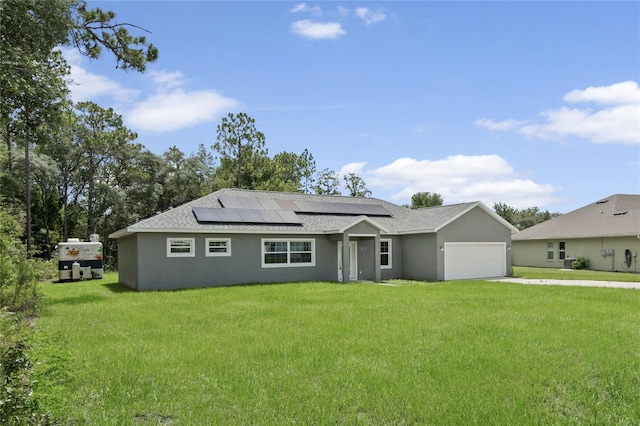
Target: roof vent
[
  {"x": 601, "y": 201},
  {"x": 621, "y": 213}
]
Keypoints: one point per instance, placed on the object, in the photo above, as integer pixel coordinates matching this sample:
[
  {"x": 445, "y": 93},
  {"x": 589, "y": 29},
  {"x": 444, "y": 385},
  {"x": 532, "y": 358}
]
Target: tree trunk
[{"x": 27, "y": 189}]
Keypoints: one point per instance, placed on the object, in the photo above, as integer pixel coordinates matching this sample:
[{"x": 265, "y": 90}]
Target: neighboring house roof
[
  {"x": 617, "y": 215},
  {"x": 400, "y": 219}
]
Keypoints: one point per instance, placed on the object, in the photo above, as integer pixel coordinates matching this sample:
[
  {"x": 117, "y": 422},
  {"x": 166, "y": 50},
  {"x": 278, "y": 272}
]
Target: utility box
[
  {"x": 568, "y": 261},
  {"x": 80, "y": 260}
]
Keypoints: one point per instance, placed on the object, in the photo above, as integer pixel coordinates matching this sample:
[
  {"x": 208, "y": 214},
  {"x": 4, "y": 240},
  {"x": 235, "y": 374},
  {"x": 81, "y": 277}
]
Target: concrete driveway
[{"x": 577, "y": 283}]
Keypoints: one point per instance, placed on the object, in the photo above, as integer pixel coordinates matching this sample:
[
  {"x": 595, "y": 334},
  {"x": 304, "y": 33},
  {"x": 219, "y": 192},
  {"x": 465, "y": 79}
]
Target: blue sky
[{"x": 525, "y": 103}]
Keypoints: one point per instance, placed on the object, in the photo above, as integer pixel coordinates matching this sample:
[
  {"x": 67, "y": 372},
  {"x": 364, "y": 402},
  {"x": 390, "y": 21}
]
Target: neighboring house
[
  {"x": 236, "y": 236},
  {"x": 606, "y": 232}
]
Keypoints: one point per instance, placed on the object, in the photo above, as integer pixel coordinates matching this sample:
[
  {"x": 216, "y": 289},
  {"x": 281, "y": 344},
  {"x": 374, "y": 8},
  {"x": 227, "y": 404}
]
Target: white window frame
[
  {"x": 208, "y": 253},
  {"x": 550, "y": 249},
  {"x": 562, "y": 250},
  {"x": 171, "y": 241},
  {"x": 288, "y": 252},
  {"x": 389, "y": 253}
]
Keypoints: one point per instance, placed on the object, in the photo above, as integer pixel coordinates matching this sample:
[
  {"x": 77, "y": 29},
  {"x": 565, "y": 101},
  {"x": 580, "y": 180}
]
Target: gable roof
[
  {"x": 617, "y": 215},
  {"x": 399, "y": 220}
]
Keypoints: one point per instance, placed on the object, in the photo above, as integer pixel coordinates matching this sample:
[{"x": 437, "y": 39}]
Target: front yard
[{"x": 469, "y": 352}]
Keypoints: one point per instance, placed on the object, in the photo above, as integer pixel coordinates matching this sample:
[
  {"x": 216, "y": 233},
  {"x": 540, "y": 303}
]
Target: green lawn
[
  {"x": 572, "y": 274},
  {"x": 469, "y": 352}
]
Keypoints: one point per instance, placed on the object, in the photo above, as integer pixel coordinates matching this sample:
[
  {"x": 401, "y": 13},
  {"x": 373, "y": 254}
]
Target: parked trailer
[{"x": 80, "y": 260}]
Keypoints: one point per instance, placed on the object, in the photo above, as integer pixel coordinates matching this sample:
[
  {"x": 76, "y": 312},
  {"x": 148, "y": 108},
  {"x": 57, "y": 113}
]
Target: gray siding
[
  {"x": 128, "y": 261},
  {"x": 534, "y": 252},
  {"x": 159, "y": 272},
  {"x": 419, "y": 258},
  {"x": 475, "y": 226},
  {"x": 396, "y": 259}
]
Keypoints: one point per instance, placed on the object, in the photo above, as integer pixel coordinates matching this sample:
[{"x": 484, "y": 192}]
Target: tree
[
  {"x": 32, "y": 70},
  {"x": 186, "y": 178},
  {"x": 425, "y": 199},
  {"x": 505, "y": 211},
  {"x": 327, "y": 183},
  {"x": 356, "y": 185},
  {"x": 524, "y": 218},
  {"x": 102, "y": 137},
  {"x": 291, "y": 172},
  {"x": 242, "y": 151}
]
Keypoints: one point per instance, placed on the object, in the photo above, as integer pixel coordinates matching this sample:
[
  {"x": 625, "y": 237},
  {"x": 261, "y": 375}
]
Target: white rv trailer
[{"x": 80, "y": 260}]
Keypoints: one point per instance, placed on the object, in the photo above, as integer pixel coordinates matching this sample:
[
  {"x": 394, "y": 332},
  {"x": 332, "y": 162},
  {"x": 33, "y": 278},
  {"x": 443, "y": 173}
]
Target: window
[
  {"x": 561, "y": 250},
  {"x": 279, "y": 253},
  {"x": 550, "y": 251},
  {"x": 180, "y": 247},
  {"x": 385, "y": 254},
  {"x": 217, "y": 247}
]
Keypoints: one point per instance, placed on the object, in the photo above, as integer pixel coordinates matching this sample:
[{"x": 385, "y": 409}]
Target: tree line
[{"x": 71, "y": 170}]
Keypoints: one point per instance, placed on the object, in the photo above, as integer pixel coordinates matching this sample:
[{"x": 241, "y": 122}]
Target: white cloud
[
  {"x": 86, "y": 86},
  {"x": 317, "y": 30},
  {"x": 626, "y": 92},
  {"x": 613, "y": 121},
  {"x": 302, "y": 7},
  {"x": 370, "y": 17},
  {"x": 178, "y": 109},
  {"x": 356, "y": 168},
  {"x": 169, "y": 107},
  {"x": 458, "y": 178},
  {"x": 498, "y": 125},
  {"x": 167, "y": 79}
]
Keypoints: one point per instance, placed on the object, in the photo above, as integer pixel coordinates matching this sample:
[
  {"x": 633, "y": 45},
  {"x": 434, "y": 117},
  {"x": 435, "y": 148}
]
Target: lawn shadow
[
  {"x": 117, "y": 288},
  {"x": 76, "y": 300}
]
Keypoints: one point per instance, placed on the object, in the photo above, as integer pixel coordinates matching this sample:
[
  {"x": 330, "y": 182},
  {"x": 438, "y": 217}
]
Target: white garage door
[{"x": 474, "y": 260}]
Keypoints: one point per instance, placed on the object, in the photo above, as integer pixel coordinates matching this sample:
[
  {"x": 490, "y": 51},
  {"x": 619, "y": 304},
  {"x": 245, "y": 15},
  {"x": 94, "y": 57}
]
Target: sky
[{"x": 531, "y": 104}]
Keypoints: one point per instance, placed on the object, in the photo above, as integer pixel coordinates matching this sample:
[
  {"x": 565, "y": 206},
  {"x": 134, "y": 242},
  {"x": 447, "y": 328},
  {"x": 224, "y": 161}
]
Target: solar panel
[
  {"x": 245, "y": 216},
  {"x": 230, "y": 202},
  {"x": 307, "y": 207},
  {"x": 287, "y": 205},
  {"x": 250, "y": 203},
  {"x": 250, "y": 216},
  {"x": 270, "y": 216},
  {"x": 303, "y": 206},
  {"x": 269, "y": 204}
]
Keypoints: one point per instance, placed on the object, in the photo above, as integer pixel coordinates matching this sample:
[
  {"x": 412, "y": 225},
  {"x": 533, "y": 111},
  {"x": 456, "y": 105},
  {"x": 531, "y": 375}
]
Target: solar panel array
[
  {"x": 310, "y": 207},
  {"x": 245, "y": 216}
]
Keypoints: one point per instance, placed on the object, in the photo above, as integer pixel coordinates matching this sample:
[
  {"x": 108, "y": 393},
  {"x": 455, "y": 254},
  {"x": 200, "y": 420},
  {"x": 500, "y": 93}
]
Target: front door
[{"x": 353, "y": 260}]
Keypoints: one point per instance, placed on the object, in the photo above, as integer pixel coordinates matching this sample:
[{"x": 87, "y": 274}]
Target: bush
[
  {"x": 580, "y": 263},
  {"x": 18, "y": 304},
  {"x": 17, "y": 406}
]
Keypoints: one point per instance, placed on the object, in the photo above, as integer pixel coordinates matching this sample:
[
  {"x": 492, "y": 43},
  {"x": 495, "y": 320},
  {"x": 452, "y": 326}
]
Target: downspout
[
  {"x": 376, "y": 258},
  {"x": 346, "y": 259}
]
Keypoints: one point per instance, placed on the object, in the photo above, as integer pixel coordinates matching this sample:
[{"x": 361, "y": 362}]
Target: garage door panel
[{"x": 474, "y": 260}]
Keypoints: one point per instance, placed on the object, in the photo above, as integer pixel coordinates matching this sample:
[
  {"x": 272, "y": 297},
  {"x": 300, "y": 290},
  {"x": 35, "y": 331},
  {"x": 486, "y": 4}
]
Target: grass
[
  {"x": 470, "y": 352},
  {"x": 573, "y": 274}
]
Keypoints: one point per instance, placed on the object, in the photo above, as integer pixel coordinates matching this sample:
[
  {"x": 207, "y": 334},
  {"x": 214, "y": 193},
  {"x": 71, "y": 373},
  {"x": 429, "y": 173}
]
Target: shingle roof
[
  {"x": 617, "y": 215},
  {"x": 402, "y": 219}
]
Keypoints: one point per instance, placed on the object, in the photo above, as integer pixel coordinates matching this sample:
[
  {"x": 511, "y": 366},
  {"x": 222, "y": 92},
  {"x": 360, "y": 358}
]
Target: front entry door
[{"x": 353, "y": 260}]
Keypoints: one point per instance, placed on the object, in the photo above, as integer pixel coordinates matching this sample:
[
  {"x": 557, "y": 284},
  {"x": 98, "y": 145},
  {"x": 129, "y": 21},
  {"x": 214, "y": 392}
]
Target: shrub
[
  {"x": 17, "y": 405},
  {"x": 18, "y": 303},
  {"x": 580, "y": 263}
]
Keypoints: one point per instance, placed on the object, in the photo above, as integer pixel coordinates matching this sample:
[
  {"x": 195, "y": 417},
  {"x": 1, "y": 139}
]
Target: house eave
[{"x": 568, "y": 237}]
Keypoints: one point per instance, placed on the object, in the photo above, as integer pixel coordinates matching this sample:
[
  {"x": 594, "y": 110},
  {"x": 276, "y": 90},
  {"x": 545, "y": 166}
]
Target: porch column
[
  {"x": 376, "y": 259},
  {"x": 346, "y": 258}
]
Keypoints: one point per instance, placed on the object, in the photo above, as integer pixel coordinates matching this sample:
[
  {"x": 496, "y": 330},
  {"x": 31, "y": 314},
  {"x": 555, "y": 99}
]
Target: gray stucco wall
[
  {"x": 396, "y": 259},
  {"x": 159, "y": 272},
  {"x": 419, "y": 257},
  {"x": 128, "y": 261},
  {"x": 534, "y": 252},
  {"x": 475, "y": 226}
]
